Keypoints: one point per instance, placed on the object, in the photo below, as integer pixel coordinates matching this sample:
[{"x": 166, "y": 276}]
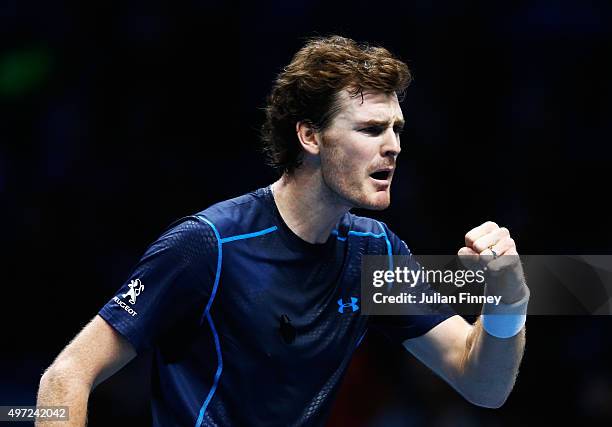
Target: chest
[{"x": 291, "y": 312}]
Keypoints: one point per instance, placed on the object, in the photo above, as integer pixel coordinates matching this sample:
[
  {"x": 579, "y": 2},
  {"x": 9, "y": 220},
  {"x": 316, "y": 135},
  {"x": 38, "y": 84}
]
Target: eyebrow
[{"x": 385, "y": 123}]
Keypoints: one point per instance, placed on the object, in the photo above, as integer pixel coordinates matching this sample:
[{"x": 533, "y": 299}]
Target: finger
[
  {"x": 476, "y": 233},
  {"x": 485, "y": 242},
  {"x": 468, "y": 257},
  {"x": 503, "y": 245}
]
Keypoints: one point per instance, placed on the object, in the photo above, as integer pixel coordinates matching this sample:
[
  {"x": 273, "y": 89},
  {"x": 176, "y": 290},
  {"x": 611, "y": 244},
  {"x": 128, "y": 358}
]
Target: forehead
[{"x": 377, "y": 106}]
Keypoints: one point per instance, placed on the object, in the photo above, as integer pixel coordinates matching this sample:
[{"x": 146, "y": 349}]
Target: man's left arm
[{"x": 474, "y": 359}]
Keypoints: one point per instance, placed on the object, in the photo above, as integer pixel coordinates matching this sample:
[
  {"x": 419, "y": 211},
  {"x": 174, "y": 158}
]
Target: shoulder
[
  {"x": 243, "y": 214},
  {"x": 369, "y": 227},
  {"x": 185, "y": 239}
]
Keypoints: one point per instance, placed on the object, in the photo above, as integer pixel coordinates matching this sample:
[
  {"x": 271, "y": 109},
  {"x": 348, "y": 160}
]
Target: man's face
[{"x": 359, "y": 149}]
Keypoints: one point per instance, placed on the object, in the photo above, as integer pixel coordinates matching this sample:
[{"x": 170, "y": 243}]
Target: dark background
[{"x": 118, "y": 118}]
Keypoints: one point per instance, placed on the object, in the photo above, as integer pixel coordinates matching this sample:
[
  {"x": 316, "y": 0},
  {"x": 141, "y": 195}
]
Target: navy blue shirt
[{"x": 250, "y": 324}]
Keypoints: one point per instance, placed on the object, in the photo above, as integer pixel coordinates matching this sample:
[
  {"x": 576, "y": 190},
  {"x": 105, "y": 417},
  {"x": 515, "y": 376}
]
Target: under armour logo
[
  {"x": 353, "y": 305},
  {"x": 136, "y": 287}
]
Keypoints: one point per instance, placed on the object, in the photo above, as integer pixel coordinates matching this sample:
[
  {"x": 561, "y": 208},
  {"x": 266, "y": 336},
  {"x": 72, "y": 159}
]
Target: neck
[{"x": 307, "y": 205}]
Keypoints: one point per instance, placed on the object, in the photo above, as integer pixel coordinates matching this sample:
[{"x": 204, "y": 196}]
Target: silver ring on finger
[{"x": 495, "y": 256}]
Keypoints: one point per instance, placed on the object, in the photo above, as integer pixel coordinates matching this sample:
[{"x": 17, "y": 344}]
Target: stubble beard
[{"x": 347, "y": 192}]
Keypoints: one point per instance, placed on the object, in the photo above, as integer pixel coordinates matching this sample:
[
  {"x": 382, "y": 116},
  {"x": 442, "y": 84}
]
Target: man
[{"x": 250, "y": 306}]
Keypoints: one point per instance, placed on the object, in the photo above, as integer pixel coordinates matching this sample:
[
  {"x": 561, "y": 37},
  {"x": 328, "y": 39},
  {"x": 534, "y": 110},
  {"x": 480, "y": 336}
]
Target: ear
[{"x": 309, "y": 139}]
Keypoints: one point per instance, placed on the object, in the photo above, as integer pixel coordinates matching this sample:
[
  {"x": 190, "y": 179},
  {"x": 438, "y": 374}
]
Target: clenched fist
[{"x": 492, "y": 248}]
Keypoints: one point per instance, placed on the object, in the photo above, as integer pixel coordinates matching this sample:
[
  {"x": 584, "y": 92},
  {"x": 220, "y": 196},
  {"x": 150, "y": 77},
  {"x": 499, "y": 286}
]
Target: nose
[{"x": 391, "y": 144}]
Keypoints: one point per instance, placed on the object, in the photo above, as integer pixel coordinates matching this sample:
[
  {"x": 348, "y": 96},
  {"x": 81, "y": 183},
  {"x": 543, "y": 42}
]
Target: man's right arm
[{"x": 95, "y": 354}]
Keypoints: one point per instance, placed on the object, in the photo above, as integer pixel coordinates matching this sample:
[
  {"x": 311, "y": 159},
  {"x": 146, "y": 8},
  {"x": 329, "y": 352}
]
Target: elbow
[
  {"x": 47, "y": 386},
  {"x": 52, "y": 379},
  {"x": 489, "y": 403},
  {"x": 50, "y": 376},
  {"x": 484, "y": 395},
  {"x": 62, "y": 377},
  {"x": 488, "y": 400}
]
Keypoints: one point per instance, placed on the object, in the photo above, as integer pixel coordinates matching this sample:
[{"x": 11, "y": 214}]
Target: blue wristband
[{"x": 505, "y": 320}]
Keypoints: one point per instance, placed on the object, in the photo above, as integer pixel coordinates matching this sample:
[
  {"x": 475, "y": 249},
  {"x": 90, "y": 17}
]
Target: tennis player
[{"x": 251, "y": 307}]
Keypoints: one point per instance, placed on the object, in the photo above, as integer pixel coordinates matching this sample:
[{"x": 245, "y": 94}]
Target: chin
[
  {"x": 363, "y": 198},
  {"x": 375, "y": 202},
  {"x": 379, "y": 206}
]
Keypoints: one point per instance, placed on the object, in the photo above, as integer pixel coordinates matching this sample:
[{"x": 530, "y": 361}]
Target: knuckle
[{"x": 479, "y": 247}]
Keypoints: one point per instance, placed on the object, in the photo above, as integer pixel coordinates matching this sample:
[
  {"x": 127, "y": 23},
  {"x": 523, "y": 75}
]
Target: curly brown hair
[{"x": 306, "y": 90}]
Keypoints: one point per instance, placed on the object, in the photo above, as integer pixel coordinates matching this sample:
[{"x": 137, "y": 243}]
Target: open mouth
[{"x": 381, "y": 175}]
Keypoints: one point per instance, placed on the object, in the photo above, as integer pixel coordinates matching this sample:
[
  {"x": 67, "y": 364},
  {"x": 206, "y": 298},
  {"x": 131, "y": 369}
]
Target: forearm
[
  {"x": 61, "y": 389},
  {"x": 490, "y": 366}
]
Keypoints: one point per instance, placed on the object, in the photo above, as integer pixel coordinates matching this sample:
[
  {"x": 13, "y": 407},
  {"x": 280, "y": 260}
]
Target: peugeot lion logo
[{"x": 136, "y": 287}]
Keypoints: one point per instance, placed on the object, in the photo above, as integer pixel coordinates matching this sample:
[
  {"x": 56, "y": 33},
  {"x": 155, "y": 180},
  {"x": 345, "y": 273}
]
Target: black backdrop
[{"x": 118, "y": 118}]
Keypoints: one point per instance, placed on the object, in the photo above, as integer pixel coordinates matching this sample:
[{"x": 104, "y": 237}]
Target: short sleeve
[
  {"x": 402, "y": 327},
  {"x": 168, "y": 288}
]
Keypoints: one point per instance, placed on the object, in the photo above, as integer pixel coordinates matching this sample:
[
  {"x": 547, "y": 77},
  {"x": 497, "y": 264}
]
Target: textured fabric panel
[{"x": 168, "y": 288}]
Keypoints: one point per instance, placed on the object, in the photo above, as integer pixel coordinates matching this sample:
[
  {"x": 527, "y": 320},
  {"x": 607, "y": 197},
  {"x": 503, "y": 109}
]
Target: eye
[
  {"x": 398, "y": 129},
  {"x": 373, "y": 130}
]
